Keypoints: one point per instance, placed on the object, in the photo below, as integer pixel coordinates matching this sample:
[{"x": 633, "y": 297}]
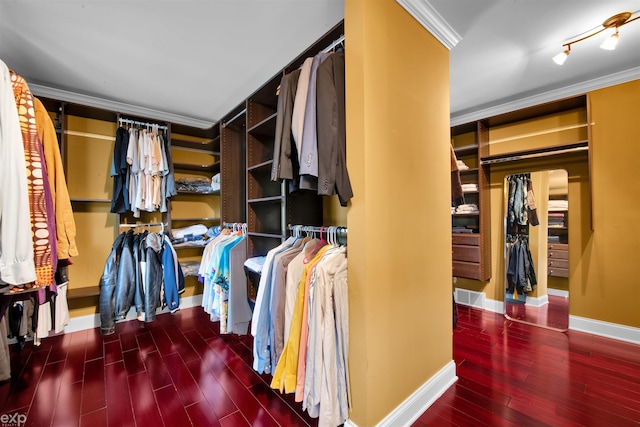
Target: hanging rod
[
  {"x": 148, "y": 225},
  {"x": 226, "y": 123},
  {"x": 341, "y": 232},
  {"x": 139, "y": 123},
  {"x": 333, "y": 44},
  {"x": 233, "y": 224},
  {"x": 533, "y": 154},
  {"x": 236, "y": 226}
]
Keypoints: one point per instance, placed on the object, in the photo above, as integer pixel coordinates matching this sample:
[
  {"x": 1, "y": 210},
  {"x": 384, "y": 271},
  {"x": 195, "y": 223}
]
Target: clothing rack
[
  {"x": 122, "y": 120},
  {"x": 336, "y": 233},
  {"x": 148, "y": 225},
  {"x": 536, "y": 153},
  {"x": 236, "y": 226},
  {"x": 334, "y": 44}
]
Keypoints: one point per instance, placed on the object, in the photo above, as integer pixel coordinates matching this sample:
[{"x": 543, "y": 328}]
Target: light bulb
[
  {"x": 561, "y": 57},
  {"x": 611, "y": 42}
]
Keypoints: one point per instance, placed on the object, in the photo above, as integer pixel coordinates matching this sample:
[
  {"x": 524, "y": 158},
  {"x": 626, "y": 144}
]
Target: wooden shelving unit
[{"x": 471, "y": 253}]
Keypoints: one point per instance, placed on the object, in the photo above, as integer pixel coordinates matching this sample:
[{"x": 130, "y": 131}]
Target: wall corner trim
[
  {"x": 605, "y": 329},
  {"x": 430, "y": 19},
  {"x": 549, "y": 96},
  {"x": 410, "y": 409},
  {"x": 121, "y": 107}
]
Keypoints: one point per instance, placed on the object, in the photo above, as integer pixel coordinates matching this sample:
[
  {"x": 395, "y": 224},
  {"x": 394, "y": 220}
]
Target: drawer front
[
  {"x": 558, "y": 272},
  {"x": 558, "y": 263},
  {"x": 558, "y": 254},
  {"x": 466, "y": 253},
  {"x": 468, "y": 270},
  {"x": 465, "y": 239},
  {"x": 557, "y": 246}
]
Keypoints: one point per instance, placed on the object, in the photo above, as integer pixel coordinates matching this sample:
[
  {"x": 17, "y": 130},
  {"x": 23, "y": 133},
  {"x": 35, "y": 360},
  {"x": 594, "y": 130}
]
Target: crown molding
[
  {"x": 549, "y": 96},
  {"x": 121, "y": 107},
  {"x": 430, "y": 19}
]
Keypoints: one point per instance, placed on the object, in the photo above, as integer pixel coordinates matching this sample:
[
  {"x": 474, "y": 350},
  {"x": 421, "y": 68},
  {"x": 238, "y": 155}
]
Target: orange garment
[
  {"x": 65, "y": 223},
  {"x": 285, "y": 374},
  {"x": 42, "y": 240},
  {"x": 304, "y": 334}
]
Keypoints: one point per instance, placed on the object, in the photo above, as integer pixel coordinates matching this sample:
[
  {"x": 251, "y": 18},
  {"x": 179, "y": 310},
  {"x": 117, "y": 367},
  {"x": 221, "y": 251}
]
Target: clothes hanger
[{"x": 313, "y": 252}]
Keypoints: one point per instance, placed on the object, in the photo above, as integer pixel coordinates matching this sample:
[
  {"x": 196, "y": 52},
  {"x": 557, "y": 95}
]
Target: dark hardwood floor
[
  {"x": 179, "y": 371},
  {"x": 511, "y": 374},
  {"x": 555, "y": 314},
  {"x": 176, "y": 371}
]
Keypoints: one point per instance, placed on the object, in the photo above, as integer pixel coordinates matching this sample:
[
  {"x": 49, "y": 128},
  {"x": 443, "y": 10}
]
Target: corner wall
[{"x": 397, "y": 106}]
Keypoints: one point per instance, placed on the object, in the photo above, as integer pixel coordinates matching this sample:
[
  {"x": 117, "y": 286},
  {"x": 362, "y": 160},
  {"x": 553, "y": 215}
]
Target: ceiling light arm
[{"x": 615, "y": 22}]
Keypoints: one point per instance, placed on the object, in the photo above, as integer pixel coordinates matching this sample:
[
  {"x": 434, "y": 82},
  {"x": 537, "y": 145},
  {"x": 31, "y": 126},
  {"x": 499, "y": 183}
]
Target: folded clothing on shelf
[
  {"x": 215, "y": 182},
  {"x": 462, "y": 166},
  {"x": 196, "y": 184},
  {"x": 469, "y": 187},
  {"x": 255, "y": 264},
  {"x": 558, "y": 205},
  {"x": 190, "y": 268},
  {"x": 467, "y": 208},
  {"x": 192, "y": 230}
]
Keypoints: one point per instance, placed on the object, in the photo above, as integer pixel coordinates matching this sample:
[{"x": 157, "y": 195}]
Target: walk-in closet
[{"x": 321, "y": 213}]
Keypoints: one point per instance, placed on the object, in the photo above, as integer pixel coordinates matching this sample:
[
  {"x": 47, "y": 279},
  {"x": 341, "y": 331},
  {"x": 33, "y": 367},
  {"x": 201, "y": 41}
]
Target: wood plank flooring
[
  {"x": 179, "y": 371},
  {"x": 174, "y": 372},
  {"x": 511, "y": 374}
]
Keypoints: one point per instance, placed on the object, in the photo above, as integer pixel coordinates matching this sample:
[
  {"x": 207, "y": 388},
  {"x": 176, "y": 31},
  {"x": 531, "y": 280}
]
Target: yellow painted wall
[
  {"x": 609, "y": 261},
  {"x": 601, "y": 261},
  {"x": 398, "y": 158}
]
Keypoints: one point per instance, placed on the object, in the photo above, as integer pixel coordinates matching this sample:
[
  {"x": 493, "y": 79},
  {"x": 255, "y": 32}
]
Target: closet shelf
[
  {"x": 214, "y": 168},
  {"x": 266, "y": 127},
  {"x": 469, "y": 171},
  {"x": 266, "y": 199},
  {"x": 209, "y": 146},
  {"x": 262, "y": 165},
  {"x": 460, "y": 215},
  {"x": 188, "y": 245},
  {"x": 195, "y": 219},
  {"x": 81, "y": 200},
  {"x": 198, "y": 193},
  {"x": 466, "y": 150},
  {"x": 90, "y": 291},
  {"x": 581, "y": 146}
]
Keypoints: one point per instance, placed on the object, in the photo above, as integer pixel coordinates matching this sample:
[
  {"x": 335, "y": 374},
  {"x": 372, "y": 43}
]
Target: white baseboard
[
  {"x": 558, "y": 293},
  {"x": 494, "y": 306},
  {"x": 605, "y": 329},
  {"x": 91, "y": 321},
  {"x": 576, "y": 323},
  {"x": 415, "y": 405},
  {"x": 350, "y": 423},
  {"x": 537, "y": 301}
]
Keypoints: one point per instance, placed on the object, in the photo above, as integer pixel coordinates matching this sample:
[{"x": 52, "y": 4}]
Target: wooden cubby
[
  {"x": 471, "y": 253},
  {"x": 552, "y": 130}
]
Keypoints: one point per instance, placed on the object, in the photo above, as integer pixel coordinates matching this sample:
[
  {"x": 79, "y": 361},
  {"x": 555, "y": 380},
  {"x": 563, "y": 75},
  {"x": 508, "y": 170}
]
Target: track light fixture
[{"x": 614, "y": 22}]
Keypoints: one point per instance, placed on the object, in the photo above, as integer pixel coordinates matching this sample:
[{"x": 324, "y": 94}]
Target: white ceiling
[{"x": 197, "y": 60}]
